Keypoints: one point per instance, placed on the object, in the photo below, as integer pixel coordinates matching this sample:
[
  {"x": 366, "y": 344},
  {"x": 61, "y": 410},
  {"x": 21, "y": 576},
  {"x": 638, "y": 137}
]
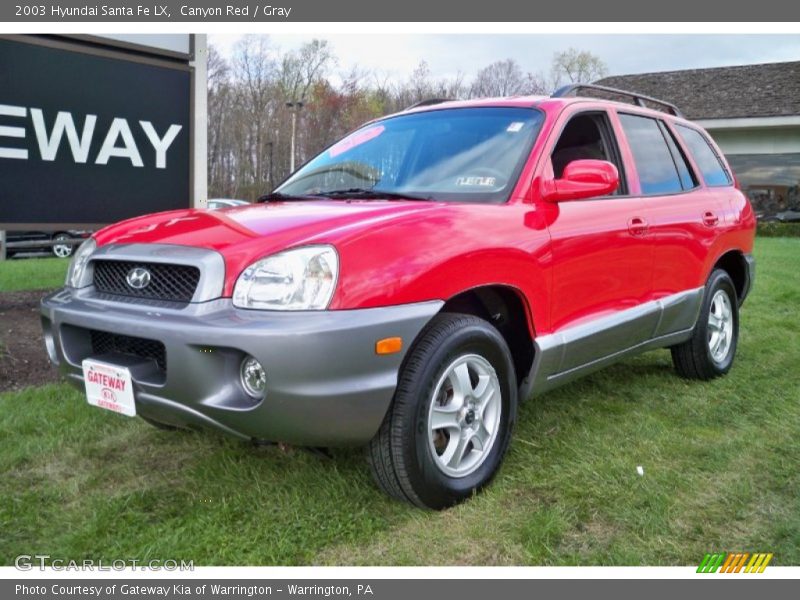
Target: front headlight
[
  {"x": 299, "y": 279},
  {"x": 77, "y": 266}
]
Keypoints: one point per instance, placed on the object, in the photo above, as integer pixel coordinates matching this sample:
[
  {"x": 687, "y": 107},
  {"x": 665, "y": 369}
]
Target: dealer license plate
[{"x": 109, "y": 386}]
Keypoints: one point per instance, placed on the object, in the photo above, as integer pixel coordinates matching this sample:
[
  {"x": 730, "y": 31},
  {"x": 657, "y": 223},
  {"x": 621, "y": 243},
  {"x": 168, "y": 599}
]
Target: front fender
[{"x": 440, "y": 257}]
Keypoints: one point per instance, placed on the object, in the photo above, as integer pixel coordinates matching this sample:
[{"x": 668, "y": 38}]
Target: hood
[
  {"x": 245, "y": 234},
  {"x": 271, "y": 227}
]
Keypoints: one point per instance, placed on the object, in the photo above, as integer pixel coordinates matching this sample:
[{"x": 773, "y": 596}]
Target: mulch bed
[{"x": 23, "y": 358}]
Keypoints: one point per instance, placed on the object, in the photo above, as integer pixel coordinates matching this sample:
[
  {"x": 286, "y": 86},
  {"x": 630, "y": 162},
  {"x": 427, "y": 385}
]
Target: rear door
[
  {"x": 686, "y": 223},
  {"x": 683, "y": 217}
]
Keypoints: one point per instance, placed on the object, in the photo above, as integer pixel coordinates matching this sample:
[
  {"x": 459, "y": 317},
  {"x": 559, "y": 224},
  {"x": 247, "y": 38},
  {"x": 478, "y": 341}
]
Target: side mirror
[{"x": 582, "y": 179}]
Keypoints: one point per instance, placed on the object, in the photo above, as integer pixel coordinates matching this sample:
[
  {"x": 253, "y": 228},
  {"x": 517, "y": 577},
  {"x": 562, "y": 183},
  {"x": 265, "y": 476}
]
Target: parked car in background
[
  {"x": 408, "y": 286},
  {"x": 47, "y": 241},
  {"x": 788, "y": 216},
  {"x": 217, "y": 203}
]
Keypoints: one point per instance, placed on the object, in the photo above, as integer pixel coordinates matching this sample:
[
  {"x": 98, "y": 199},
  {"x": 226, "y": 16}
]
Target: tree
[
  {"x": 304, "y": 68},
  {"x": 576, "y": 66},
  {"x": 249, "y": 125},
  {"x": 505, "y": 78},
  {"x": 255, "y": 111},
  {"x": 501, "y": 78},
  {"x": 220, "y": 178}
]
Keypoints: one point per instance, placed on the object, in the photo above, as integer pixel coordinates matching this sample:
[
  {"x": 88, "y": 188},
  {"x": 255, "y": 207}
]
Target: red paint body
[{"x": 570, "y": 261}]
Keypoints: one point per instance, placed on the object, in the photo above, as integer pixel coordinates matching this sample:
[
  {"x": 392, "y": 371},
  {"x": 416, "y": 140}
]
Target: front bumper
[{"x": 325, "y": 384}]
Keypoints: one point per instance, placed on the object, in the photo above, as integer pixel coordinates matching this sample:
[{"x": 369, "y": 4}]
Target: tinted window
[
  {"x": 684, "y": 172},
  {"x": 654, "y": 162},
  {"x": 462, "y": 155},
  {"x": 707, "y": 160},
  {"x": 587, "y": 136}
]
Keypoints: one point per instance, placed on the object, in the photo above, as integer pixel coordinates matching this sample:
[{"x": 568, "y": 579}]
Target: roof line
[{"x": 670, "y": 72}]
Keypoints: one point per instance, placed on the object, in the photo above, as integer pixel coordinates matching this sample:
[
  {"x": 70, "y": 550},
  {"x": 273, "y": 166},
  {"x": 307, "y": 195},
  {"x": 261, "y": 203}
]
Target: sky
[{"x": 450, "y": 54}]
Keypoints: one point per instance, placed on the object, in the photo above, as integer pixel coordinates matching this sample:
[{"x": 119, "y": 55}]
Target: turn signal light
[{"x": 391, "y": 345}]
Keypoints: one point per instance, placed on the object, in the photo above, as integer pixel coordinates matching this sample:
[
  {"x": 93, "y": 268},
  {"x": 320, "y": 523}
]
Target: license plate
[{"x": 109, "y": 386}]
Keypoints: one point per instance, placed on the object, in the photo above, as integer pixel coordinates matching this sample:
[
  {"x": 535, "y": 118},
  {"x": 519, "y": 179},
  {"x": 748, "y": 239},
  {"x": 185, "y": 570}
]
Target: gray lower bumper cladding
[{"x": 326, "y": 386}]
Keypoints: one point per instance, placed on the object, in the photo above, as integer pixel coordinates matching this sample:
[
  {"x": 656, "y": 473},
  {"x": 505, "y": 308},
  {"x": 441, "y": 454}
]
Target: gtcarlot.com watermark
[{"x": 42, "y": 562}]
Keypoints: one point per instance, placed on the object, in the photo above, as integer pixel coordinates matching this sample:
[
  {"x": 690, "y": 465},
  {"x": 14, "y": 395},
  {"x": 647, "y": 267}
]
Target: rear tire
[
  {"x": 709, "y": 353},
  {"x": 450, "y": 423}
]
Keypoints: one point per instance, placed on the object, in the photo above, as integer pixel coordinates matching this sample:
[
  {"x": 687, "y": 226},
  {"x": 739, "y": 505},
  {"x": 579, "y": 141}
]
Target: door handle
[
  {"x": 637, "y": 226},
  {"x": 710, "y": 219}
]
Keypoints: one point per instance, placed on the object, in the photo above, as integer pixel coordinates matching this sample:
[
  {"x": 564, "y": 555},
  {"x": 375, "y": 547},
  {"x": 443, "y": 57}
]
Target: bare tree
[
  {"x": 501, "y": 78},
  {"x": 302, "y": 69},
  {"x": 505, "y": 78},
  {"x": 255, "y": 65},
  {"x": 249, "y": 125}
]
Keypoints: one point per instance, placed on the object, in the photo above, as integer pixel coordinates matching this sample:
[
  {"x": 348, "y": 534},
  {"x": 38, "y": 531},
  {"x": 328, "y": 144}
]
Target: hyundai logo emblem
[{"x": 138, "y": 278}]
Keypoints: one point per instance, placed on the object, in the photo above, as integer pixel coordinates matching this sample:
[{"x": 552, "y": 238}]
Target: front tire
[
  {"x": 450, "y": 423},
  {"x": 709, "y": 353}
]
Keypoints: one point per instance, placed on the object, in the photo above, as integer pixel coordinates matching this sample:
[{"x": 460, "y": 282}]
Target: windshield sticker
[
  {"x": 515, "y": 126},
  {"x": 477, "y": 181},
  {"x": 358, "y": 138}
]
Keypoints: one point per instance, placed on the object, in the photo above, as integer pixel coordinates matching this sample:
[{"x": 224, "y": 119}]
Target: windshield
[{"x": 462, "y": 155}]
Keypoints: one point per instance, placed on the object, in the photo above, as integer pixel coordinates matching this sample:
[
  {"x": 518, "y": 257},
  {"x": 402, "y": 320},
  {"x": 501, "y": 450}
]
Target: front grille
[
  {"x": 174, "y": 283},
  {"x": 105, "y": 343}
]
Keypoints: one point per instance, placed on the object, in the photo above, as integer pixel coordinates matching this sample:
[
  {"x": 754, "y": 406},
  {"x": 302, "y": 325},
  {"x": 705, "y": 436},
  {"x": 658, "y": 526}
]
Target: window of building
[{"x": 772, "y": 181}]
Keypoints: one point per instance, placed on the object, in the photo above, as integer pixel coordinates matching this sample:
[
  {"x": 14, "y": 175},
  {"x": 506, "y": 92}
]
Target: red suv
[{"x": 408, "y": 286}]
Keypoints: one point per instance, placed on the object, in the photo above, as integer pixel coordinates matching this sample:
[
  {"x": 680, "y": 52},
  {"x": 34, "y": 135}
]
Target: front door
[{"x": 602, "y": 254}]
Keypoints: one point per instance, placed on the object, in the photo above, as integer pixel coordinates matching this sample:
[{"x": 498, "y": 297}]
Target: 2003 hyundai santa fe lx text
[{"x": 408, "y": 286}]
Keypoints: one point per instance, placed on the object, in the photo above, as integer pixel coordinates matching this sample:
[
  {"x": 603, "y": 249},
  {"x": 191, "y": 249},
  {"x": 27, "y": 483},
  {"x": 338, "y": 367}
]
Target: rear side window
[
  {"x": 708, "y": 162},
  {"x": 687, "y": 177},
  {"x": 654, "y": 161}
]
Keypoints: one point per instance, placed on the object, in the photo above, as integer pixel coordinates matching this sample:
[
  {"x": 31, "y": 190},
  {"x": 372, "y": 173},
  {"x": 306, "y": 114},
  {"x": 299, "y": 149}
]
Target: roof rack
[
  {"x": 428, "y": 102},
  {"x": 639, "y": 99}
]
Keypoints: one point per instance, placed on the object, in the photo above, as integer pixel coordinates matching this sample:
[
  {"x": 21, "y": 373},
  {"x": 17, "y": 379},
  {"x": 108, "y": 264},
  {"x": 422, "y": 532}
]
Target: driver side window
[{"x": 588, "y": 136}]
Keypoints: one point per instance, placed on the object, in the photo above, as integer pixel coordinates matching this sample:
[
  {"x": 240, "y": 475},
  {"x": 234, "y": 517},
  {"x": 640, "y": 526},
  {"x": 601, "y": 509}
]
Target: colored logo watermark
[{"x": 735, "y": 562}]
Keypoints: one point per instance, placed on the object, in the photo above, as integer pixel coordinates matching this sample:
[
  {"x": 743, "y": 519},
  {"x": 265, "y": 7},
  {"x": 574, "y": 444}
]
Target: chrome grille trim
[{"x": 210, "y": 263}]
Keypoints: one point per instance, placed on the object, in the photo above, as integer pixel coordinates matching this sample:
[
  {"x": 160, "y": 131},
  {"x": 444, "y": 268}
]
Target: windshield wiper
[
  {"x": 370, "y": 194},
  {"x": 281, "y": 197}
]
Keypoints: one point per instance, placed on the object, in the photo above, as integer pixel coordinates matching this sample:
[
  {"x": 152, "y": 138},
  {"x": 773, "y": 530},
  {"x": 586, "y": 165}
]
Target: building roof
[{"x": 765, "y": 90}]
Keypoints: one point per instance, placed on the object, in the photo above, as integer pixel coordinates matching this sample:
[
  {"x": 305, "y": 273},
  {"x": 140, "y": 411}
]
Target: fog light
[{"x": 254, "y": 378}]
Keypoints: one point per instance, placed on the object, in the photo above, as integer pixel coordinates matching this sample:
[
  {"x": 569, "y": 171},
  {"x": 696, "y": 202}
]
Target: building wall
[
  {"x": 773, "y": 140},
  {"x": 765, "y": 158}
]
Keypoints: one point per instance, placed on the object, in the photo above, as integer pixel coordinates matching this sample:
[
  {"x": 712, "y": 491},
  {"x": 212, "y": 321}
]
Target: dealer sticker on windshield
[{"x": 109, "y": 387}]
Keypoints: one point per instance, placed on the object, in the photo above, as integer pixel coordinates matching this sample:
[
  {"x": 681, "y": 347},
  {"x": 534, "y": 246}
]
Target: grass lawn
[
  {"x": 721, "y": 472},
  {"x": 32, "y": 273}
]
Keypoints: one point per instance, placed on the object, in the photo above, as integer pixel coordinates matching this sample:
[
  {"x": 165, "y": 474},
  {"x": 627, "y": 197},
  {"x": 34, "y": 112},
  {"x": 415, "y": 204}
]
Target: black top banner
[{"x": 200, "y": 11}]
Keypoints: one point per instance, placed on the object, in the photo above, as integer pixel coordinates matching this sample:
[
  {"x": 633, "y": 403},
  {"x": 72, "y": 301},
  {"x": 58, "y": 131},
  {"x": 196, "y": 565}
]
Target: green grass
[
  {"x": 774, "y": 229},
  {"x": 32, "y": 274},
  {"x": 720, "y": 466}
]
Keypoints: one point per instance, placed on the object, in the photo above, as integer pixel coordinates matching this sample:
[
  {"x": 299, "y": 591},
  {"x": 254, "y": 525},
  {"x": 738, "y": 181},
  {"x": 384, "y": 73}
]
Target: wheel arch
[
  {"x": 733, "y": 262},
  {"x": 506, "y": 308}
]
